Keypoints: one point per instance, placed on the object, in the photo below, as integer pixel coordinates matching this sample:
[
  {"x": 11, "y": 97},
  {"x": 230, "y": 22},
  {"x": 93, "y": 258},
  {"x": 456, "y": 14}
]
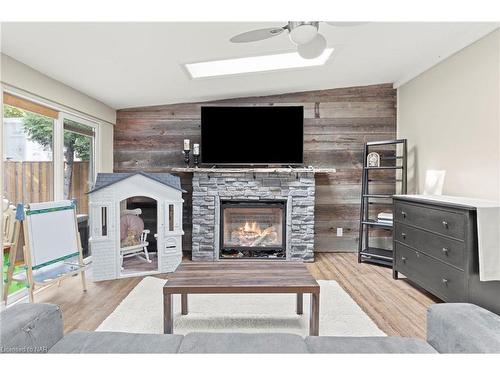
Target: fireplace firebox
[{"x": 253, "y": 229}]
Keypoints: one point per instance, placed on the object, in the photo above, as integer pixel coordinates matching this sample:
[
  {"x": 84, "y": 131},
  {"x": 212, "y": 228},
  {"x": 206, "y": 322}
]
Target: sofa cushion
[
  {"x": 463, "y": 328},
  {"x": 117, "y": 342},
  {"x": 242, "y": 343},
  {"x": 329, "y": 344},
  {"x": 30, "y": 328}
]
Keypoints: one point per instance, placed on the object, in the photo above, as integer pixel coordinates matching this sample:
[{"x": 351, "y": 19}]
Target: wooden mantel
[{"x": 254, "y": 170}]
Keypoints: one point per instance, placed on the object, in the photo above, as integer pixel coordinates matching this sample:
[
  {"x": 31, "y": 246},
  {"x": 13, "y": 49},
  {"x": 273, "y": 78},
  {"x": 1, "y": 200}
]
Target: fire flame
[
  {"x": 252, "y": 227},
  {"x": 251, "y": 234}
]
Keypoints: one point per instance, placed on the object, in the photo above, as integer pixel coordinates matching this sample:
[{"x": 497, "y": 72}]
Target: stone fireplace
[{"x": 253, "y": 215}]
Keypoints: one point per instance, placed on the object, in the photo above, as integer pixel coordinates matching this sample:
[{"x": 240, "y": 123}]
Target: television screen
[{"x": 252, "y": 135}]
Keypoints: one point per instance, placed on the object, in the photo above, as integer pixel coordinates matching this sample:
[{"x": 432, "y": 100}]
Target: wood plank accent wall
[{"x": 337, "y": 123}]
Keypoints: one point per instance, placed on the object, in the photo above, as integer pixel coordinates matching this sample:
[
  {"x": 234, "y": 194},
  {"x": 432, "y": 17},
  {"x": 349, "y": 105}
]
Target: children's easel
[{"x": 52, "y": 247}]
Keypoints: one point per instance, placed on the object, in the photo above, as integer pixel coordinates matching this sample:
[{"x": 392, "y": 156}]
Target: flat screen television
[{"x": 252, "y": 135}]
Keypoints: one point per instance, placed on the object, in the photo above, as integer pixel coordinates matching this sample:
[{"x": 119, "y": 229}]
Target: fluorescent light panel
[{"x": 254, "y": 64}]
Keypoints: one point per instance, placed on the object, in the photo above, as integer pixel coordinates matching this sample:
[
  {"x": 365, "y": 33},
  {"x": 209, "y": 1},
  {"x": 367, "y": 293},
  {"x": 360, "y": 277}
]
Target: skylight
[{"x": 254, "y": 64}]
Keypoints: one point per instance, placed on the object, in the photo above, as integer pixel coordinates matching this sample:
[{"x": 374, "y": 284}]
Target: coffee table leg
[
  {"x": 314, "y": 318},
  {"x": 184, "y": 304},
  {"x": 300, "y": 303},
  {"x": 168, "y": 324}
]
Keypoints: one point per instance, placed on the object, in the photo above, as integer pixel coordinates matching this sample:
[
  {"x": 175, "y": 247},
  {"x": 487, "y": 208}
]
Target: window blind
[{"x": 29, "y": 106}]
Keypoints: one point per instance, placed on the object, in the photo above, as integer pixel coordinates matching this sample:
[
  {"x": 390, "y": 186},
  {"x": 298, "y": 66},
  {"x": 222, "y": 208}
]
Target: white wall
[
  {"x": 106, "y": 147},
  {"x": 450, "y": 115},
  {"x": 21, "y": 76}
]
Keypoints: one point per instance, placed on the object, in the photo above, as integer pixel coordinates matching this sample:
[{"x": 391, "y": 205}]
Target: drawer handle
[
  {"x": 445, "y": 281},
  {"x": 403, "y": 259},
  {"x": 403, "y": 214},
  {"x": 403, "y": 234},
  {"x": 445, "y": 251},
  {"x": 445, "y": 224}
]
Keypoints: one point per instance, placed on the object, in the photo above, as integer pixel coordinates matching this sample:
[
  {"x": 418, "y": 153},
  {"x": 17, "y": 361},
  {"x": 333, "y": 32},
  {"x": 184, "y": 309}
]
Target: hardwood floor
[{"x": 398, "y": 308}]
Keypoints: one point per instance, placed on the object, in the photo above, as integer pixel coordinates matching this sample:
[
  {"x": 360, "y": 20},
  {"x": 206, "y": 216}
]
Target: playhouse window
[
  {"x": 171, "y": 217},
  {"x": 104, "y": 221}
]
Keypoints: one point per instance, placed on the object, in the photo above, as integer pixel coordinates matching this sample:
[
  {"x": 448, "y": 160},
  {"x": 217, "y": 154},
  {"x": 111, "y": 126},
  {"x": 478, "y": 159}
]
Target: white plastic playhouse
[{"x": 121, "y": 245}]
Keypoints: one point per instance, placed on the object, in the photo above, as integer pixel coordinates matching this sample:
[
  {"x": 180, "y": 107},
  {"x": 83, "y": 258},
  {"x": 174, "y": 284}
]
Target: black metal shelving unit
[{"x": 367, "y": 253}]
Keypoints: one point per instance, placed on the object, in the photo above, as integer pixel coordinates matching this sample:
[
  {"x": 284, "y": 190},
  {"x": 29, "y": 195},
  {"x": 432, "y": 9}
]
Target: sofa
[{"x": 451, "y": 328}]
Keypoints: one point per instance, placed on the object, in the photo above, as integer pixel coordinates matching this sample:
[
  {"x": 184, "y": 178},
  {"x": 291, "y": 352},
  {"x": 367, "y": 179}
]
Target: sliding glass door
[
  {"x": 79, "y": 170},
  {"x": 78, "y": 162},
  {"x": 48, "y": 155}
]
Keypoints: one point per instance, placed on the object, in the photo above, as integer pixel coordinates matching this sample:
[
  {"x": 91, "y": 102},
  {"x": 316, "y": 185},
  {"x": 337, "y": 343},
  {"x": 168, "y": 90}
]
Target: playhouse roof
[{"x": 106, "y": 179}]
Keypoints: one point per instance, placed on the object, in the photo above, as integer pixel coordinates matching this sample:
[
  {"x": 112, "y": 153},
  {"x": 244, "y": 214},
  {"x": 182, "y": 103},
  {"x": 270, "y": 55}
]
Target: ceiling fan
[{"x": 305, "y": 34}]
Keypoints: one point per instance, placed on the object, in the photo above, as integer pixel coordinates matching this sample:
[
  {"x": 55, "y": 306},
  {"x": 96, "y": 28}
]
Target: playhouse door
[{"x": 171, "y": 237}]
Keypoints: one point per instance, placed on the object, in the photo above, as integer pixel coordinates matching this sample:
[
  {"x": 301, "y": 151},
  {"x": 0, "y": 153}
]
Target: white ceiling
[{"x": 141, "y": 64}]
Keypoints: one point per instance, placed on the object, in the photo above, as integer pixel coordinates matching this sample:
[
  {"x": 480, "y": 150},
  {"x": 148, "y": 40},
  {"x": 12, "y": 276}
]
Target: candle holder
[
  {"x": 186, "y": 157},
  {"x": 196, "y": 154}
]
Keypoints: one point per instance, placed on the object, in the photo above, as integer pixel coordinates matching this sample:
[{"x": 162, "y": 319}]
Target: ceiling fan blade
[
  {"x": 345, "y": 24},
  {"x": 255, "y": 35}
]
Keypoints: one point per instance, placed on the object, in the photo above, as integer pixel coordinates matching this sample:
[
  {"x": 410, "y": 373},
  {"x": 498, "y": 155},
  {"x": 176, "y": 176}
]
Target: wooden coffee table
[{"x": 241, "y": 277}]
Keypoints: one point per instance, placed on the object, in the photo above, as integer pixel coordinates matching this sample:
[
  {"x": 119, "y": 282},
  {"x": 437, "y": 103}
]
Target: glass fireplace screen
[{"x": 253, "y": 227}]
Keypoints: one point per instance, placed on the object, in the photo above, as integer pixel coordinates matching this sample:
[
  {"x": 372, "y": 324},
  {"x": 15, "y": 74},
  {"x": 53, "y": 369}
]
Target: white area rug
[{"x": 142, "y": 312}]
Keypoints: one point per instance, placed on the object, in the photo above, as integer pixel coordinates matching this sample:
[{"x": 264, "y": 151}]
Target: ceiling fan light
[
  {"x": 303, "y": 34},
  {"x": 312, "y": 49}
]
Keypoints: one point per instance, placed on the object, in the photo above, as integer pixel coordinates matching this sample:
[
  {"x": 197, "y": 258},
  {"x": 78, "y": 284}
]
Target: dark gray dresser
[{"x": 435, "y": 246}]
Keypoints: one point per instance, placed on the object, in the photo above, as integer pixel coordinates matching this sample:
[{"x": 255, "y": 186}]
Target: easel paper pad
[{"x": 52, "y": 235}]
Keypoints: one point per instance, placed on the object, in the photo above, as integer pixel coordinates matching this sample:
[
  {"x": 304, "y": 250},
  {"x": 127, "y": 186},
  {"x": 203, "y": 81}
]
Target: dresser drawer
[
  {"x": 445, "y": 222},
  {"x": 442, "y": 248},
  {"x": 444, "y": 281}
]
